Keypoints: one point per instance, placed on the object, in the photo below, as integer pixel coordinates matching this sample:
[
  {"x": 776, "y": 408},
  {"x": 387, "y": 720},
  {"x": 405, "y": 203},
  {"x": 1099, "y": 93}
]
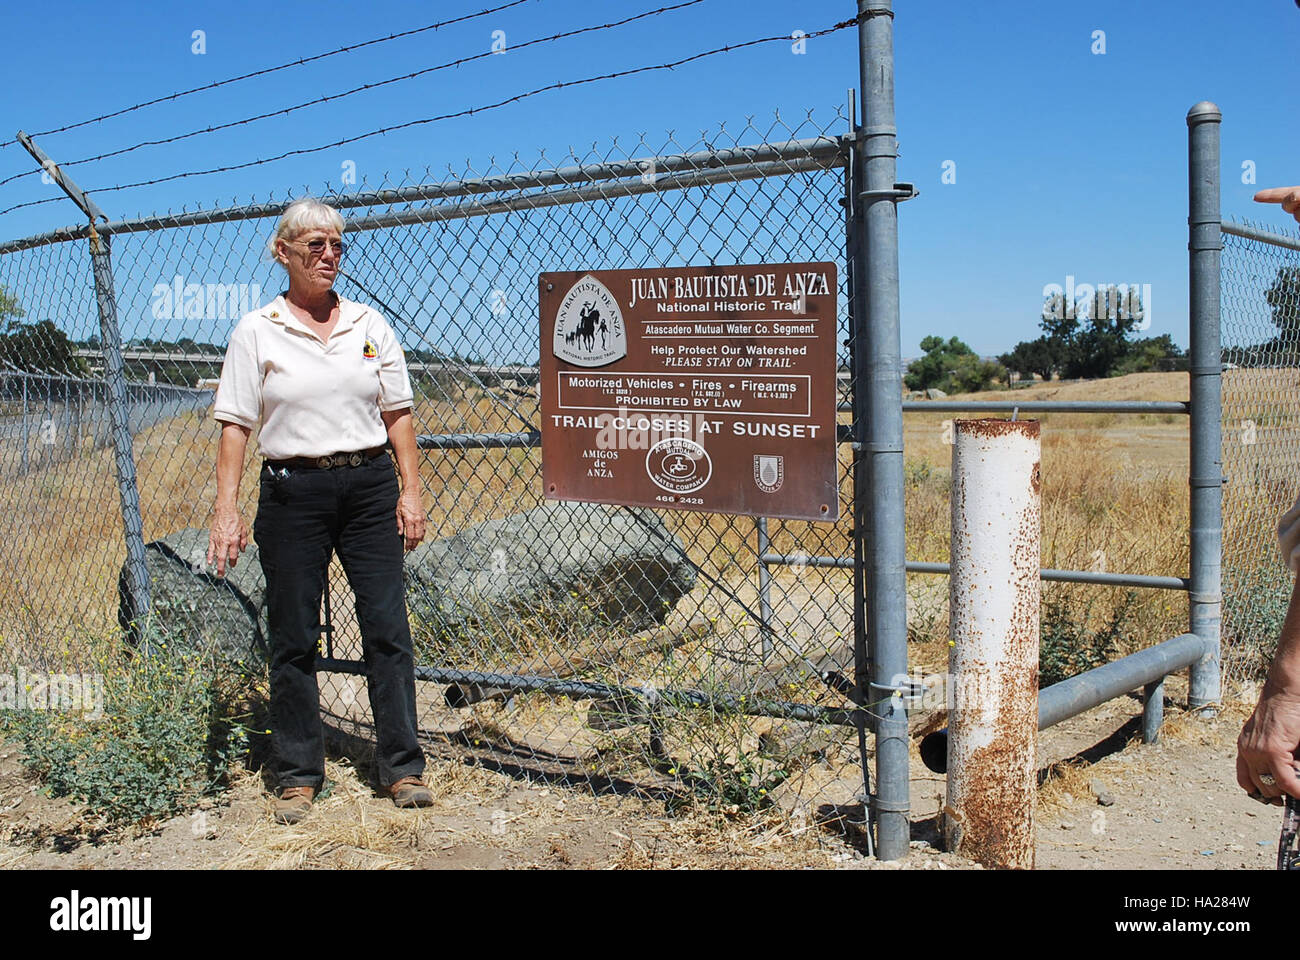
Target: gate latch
[{"x": 898, "y": 193}]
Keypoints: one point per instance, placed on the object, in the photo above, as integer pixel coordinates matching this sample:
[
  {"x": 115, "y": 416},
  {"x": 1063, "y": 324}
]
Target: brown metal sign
[{"x": 692, "y": 388}]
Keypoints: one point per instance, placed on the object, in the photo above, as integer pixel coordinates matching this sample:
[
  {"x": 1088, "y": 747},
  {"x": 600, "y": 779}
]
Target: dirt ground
[
  {"x": 1169, "y": 805},
  {"x": 1175, "y": 804}
]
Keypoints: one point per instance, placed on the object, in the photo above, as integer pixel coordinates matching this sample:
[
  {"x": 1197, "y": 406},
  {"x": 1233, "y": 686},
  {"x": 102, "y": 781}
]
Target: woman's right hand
[
  {"x": 229, "y": 535},
  {"x": 227, "y": 538}
]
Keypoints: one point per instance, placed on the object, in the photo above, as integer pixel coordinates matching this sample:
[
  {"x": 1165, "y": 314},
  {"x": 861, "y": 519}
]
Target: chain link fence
[
  {"x": 1260, "y": 297},
  {"x": 617, "y": 648}
]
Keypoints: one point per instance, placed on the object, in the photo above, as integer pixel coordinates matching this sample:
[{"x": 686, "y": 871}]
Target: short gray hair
[{"x": 305, "y": 213}]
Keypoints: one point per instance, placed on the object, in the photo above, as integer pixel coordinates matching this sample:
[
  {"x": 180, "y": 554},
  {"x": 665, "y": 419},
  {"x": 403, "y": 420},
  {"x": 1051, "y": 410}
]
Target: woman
[{"x": 326, "y": 381}]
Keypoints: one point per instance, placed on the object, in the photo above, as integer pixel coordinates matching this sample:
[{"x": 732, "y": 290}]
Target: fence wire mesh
[
  {"x": 613, "y": 648},
  {"x": 1260, "y": 297}
]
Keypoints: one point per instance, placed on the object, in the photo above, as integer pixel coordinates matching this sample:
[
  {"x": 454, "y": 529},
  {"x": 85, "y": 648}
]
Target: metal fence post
[
  {"x": 136, "y": 593},
  {"x": 859, "y": 333},
  {"x": 886, "y": 573},
  {"x": 1205, "y": 475},
  {"x": 137, "y": 575}
]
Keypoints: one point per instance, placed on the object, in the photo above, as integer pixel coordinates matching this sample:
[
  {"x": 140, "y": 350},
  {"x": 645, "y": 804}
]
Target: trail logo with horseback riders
[{"x": 589, "y": 330}]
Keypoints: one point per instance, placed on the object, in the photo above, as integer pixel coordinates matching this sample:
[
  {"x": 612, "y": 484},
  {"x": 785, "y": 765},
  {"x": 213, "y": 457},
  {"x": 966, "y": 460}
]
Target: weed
[
  {"x": 917, "y": 471},
  {"x": 1256, "y": 601},
  {"x": 1067, "y": 646},
  {"x": 169, "y": 734},
  {"x": 741, "y": 786}
]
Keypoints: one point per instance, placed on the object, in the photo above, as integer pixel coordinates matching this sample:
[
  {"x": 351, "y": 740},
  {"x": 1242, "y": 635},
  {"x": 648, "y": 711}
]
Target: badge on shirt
[{"x": 369, "y": 351}]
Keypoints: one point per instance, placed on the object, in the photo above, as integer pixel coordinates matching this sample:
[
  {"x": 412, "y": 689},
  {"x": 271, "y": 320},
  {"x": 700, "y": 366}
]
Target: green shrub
[
  {"x": 1255, "y": 601},
  {"x": 917, "y": 471},
  {"x": 1067, "y": 646},
  {"x": 741, "y": 786},
  {"x": 168, "y": 734}
]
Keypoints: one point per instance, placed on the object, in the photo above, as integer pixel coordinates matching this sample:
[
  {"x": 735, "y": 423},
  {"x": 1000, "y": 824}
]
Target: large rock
[
  {"x": 225, "y": 617},
  {"x": 573, "y": 559},
  {"x": 582, "y": 562}
]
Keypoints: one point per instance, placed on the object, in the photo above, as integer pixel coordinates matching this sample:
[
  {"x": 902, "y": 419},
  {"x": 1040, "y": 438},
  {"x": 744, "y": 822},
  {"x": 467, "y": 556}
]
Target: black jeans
[{"x": 302, "y": 516}]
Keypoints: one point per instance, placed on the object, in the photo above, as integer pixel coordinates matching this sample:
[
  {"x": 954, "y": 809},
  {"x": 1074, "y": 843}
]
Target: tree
[
  {"x": 1098, "y": 348},
  {"x": 952, "y": 366},
  {"x": 1283, "y": 296},
  {"x": 1146, "y": 354},
  {"x": 1095, "y": 343},
  {"x": 1282, "y": 349},
  {"x": 1041, "y": 356},
  {"x": 40, "y": 347},
  {"x": 970, "y": 374},
  {"x": 10, "y": 309}
]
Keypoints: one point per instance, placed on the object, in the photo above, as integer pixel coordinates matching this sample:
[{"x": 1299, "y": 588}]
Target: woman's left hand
[{"x": 410, "y": 518}]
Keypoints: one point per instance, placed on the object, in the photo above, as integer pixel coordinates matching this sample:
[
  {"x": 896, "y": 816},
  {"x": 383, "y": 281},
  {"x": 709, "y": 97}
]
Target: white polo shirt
[{"x": 312, "y": 397}]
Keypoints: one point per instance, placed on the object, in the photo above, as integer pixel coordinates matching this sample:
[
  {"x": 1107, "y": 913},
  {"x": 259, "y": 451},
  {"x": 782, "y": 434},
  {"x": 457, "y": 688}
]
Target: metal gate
[{"x": 682, "y": 655}]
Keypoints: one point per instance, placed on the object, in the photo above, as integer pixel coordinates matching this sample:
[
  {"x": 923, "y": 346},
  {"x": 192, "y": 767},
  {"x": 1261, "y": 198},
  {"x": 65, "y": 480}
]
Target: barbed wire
[
  {"x": 367, "y": 86},
  {"x": 33, "y": 203},
  {"x": 302, "y": 151},
  {"x": 263, "y": 72}
]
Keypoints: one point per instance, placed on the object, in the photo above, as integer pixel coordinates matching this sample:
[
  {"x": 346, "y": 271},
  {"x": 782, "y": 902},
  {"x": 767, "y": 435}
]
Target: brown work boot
[
  {"x": 293, "y": 804},
  {"x": 411, "y": 792}
]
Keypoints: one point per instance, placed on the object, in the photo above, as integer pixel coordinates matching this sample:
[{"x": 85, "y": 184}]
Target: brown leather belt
[{"x": 331, "y": 460}]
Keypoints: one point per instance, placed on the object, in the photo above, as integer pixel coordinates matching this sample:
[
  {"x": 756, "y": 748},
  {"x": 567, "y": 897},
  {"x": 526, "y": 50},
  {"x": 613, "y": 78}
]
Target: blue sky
[{"x": 1067, "y": 161}]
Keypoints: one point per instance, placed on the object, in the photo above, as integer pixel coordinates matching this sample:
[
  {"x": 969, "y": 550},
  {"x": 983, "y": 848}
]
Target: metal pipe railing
[
  {"x": 1067, "y": 576},
  {"x": 612, "y": 190},
  {"x": 1051, "y": 406},
  {"x": 1042, "y": 406},
  {"x": 1260, "y": 236},
  {"x": 1071, "y": 697},
  {"x": 583, "y": 690},
  {"x": 812, "y": 148},
  {"x": 478, "y": 441}
]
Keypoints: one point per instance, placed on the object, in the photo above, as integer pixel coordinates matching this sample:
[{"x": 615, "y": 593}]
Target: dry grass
[
  {"x": 504, "y": 823},
  {"x": 1097, "y": 496},
  {"x": 1065, "y": 783},
  {"x": 1114, "y": 498}
]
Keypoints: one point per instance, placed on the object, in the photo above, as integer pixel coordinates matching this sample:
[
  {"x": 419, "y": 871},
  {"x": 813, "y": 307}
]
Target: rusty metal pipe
[{"x": 994, "y": 594}]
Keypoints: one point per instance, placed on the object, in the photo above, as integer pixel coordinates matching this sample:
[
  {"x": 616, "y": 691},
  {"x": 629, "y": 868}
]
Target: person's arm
[
  {"x": 1271, "y": 736},
  {"x": 228, "y": 535},
  {"x": 1289, "y": 197},
  {"x": 410, "y": 509}
]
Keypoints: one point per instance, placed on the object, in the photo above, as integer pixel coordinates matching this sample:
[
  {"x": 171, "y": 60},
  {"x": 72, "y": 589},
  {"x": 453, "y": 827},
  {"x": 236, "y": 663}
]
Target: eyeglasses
[{"x": 317, "y": 247}]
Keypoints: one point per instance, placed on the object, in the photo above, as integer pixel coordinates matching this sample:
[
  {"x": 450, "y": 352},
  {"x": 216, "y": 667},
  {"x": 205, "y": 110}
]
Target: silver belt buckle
[
  {"x": 356, "y": 459},
  {"x": 324, "y": 462}
]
